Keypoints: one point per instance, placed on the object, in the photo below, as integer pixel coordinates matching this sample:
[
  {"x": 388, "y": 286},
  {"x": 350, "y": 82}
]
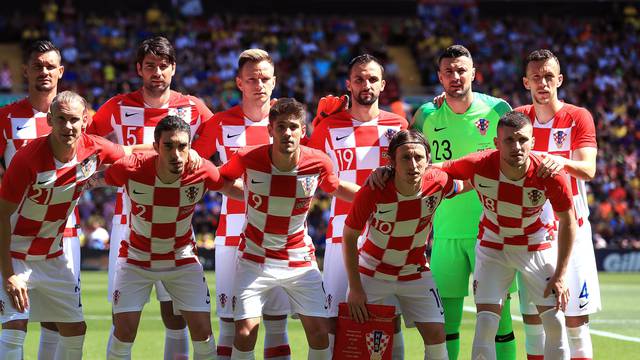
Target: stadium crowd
[{"x": 600, "y": 57}]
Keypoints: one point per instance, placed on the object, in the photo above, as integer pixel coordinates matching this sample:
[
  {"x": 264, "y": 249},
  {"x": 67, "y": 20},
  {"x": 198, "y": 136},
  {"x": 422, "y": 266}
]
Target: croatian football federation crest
[
  {"x": 191, "y": 192},
  {"x": 223, "y": 299},
  {"x": 559, "y": 137},
  {"x": 483, "y": 125},
  {"x": 308, "y": 185},
  {"x": 116, "y": 297},
  {"x": 183, "y": 113},
  {"x": 389, "y": 133},
  {"x": 88, "y": 166},
  {"x": 430, "y": 201},
  {"x": 535, "y": 196},
  {"x": 377, "y": 342}
]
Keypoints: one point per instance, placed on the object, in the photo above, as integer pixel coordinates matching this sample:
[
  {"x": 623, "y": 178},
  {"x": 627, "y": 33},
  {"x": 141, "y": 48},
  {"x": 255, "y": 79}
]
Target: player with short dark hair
[
  {"x": 566, "y": 137},
  {"x": 276, "y": 252}
]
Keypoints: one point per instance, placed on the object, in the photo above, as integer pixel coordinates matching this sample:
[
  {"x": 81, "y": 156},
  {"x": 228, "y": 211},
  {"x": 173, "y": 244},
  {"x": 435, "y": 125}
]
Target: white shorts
[
  {"x": 582, "y": 279},
  {"x": 53, "y": 289},
  {"x": 120, "y": 232},
  {"x": 254, "y": 282},
  {"x": 71, "y": 248},
  {"x": 419, "y": 300},
  {"x": 276, "y": 302},
  {"x": 495, "y": 270},
  {"x": 334, "y": 278},
  {"x": 186, "y": 284}
]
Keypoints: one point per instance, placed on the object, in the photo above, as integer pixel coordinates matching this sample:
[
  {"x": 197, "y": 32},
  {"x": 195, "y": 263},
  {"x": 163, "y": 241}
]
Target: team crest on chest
[
  {"x": 308, "y": 185},
  {"x": 483, "y": 125},
  {"x": 430, "y": 201},
  {"x": 88, "y": 166},
  {"x": 389, "y": 133},
  {"x": 559, "y": 137},
  {"x": 183, "y": 113},
  {"x": 535, "y": 196},
  {"x": 191, "y": 192}
]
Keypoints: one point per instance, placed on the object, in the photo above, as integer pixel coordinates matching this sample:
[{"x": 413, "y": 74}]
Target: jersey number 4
[{"x": 441, "y": 150}]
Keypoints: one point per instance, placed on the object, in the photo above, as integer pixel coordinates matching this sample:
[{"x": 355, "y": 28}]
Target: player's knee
[
  {"x": 169, "y": 319},
  {"x": 16, "y": 325},
  {"x": 245, "y": 330},
  {"x": 486, "y": 326},
  {"x": 72, "y": 329},
  {"x": 532, "y": 319},
  {"x": 318, "y": 335},
  {"x": 434, "y": 334},
  {"x": 125, "y": 331},
  {"x": 553, "y": 323},
  {"x": 576, "y": 321}
]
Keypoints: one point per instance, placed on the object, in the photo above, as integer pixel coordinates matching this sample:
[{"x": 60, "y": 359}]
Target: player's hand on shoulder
[
  {"x": 379, "y": 177},
  {"x": 357, "y": 300},
  {"x": 551, "y": 165},
  {"x": 439, "y": 100},
  {"x": 194, "y": 162},
  {"x": 17, "y": 290},
  {"x": 329, "y": 105},
  {"x": 557, "y": 286}
]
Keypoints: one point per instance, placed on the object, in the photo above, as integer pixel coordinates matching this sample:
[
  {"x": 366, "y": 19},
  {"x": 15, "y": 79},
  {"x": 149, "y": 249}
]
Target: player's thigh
[
  {"x": 334, "y": 278},
  {"x": 378, "y": 291},
  {"x": 118, "y": 233},
  {"x": 276, "y": 302},
  {"x": 535, "y": 268},
  {"x": 187, "y": 287},
  {"x": 451, "y": 264},
  {"x": 226, "y": 260},
  {"x": 420, "y": 301},
  {"x": 8, "y": 312},
  {"x": 251, "y": 285},
  {"x": 305, "y": 292},
  {"x": 71, "y": 248},
  {"x": 132, "y": 287},
  {"x": 582, "y": 276},
  {"x": 55, "y": 296},
  {"x": 492, "y": 277}
]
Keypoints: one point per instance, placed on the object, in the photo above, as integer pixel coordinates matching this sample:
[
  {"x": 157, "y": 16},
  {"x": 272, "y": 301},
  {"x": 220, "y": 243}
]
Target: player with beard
[
  {"x": 26, "y": 120},
  {"x": 356, "y": 140},
  {"x": 464, "y": 123},
  {"x": 132, "y": 118}
]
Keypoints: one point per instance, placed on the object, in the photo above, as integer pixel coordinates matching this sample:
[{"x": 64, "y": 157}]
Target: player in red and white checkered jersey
[
  {"x": 26, "y": 120},
  {"x": 160, "y": 246},
  {"x": 276, "y": 252},
  {"x": 566, "y": 135},
  {"x": 391, "y": 260},
  {"x": 356, "y": 141},
  {"x": 132, "y": 117},
  {"x": 225, "y": 133},
  {"x": 39, "y": 191},
  {"x": 514, "y": 234}
]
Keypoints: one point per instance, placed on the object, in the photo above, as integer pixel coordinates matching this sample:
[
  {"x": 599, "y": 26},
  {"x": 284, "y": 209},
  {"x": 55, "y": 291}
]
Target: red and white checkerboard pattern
[
  {"x": 571, "y": 128},
  {"x": 47, "y": 191},
  {"x": 225, "y": 133},
  {"x": 398, "y": 227},
  {"x": 356, "y": 148},
  {"x": 275, "y": 232},
  {"x": 161, "y": 235},
  {"x": 512, "y": 209},
  {"x": 133, "y": 122}
]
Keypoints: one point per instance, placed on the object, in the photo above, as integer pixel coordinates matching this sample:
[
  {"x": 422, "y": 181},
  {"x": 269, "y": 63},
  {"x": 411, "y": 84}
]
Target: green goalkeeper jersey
[{"x": 452, "y": 136}]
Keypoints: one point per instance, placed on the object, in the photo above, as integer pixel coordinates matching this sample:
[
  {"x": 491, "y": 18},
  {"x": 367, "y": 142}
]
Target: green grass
[{"x": 621, "y": 315}]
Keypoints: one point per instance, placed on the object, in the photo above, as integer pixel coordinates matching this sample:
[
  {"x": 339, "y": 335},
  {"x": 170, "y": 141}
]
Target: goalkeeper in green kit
[{"x": 464, "y": 123}]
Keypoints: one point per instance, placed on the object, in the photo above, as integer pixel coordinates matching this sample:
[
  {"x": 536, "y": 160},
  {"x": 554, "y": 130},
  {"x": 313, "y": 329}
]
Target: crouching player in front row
[{"x": 392, "y": 260}]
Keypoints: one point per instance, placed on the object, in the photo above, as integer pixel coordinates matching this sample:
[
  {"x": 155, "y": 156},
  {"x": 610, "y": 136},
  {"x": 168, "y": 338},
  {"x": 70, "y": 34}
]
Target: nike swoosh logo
[
  {"x": 483, "y": 186},
  {"x": 42, "y": 182},
  {"x": 129, "y": 114},
  {"x": 21, "y": 127},
  {"x": 339, "y": 138},
  {"x": 256, "y": 182},
  {"x": 438, "y": 129},
  {"x": 581, "y": 306},
  {"x": 137, "y": 193},
  {"x": 229, "y": 136},
  {"x": 383, "y": 212},
  {"x": 441, "y": 312}
]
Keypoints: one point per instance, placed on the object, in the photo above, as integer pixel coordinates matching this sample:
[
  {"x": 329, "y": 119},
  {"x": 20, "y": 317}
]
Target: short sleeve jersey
[
  {"x": 275, "y": 230},
  {"x": 398, "y": 226},
  {"x": 47, "y": 191},
  {"x": 160, "y": 217},
  {"x": 19, "y": 124},
  {"x": 133, "y": 122},
  {"x": 225, "y": 133},
  {"x": 571, "y": 128},
  {"x": 451, "y": 137},
  {"x": 356, "y": 148},
  {"x": 512, "y": 209}
]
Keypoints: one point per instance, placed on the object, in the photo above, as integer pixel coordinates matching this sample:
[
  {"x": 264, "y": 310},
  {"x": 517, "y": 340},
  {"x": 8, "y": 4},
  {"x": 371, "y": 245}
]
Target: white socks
[
  {"x": 242, "y": 355},
  {"x": 534, "y": 339},
  {"x": 332, "y": 341},
  {"x": 398, "y": 346},
  {"x": 70, "y": 348},
  {"x": 118, "y": 350},
  {"x": 204, "y": 350},
  {"x": 436, "y": 352},
  {"x": 48, "y": 344},
  {"x": 11, "y": 343},
  {"x": 276, "y": 342},
  {"x": 176, "y": 344},
  {"x": 225, "y": 339},
  {"x": 580, "y": 342},
  {"x": 323, "y": 354},
  {"x": 484, "y": 346},
  {"x": 556, "y": 343}
]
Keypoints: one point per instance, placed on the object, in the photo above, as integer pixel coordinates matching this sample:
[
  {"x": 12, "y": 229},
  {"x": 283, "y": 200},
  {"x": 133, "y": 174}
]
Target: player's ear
[
  {"x": 49, "y": 119},
  {"x": 139, "y": 68},
  {"x": 473, "y": 74},
  {"x": 24, "y": 71},
  {"x": 382, "y": 83},
  {"x": 348, "y": 84},
  {"x": 525, "y": 82},
  {"x": 495, "y": 142},
  {"x": 239, "y": 83},
  {"x": 61, "y": 70},
  {"x": 560, "y": 79},
  {"x": 303, "y": 128},
  {"x": 156, "y": 147}
]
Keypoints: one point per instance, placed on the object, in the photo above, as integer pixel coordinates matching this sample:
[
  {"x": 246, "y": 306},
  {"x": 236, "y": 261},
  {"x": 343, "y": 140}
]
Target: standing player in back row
[
  {"x": 26, "y": 120},
  {"x": 465, "y": 123},
  {"x": 356, "y": 140},
  {"x": 225, "y": 133},
  {"x": 132, "y": 118},
  {"x": 566, "y": 135}
]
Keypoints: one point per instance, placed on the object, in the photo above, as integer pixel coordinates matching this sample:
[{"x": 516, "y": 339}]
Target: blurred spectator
[
  {"x": 6, "y": 80},
  {"x": 97, "y": 235}
]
